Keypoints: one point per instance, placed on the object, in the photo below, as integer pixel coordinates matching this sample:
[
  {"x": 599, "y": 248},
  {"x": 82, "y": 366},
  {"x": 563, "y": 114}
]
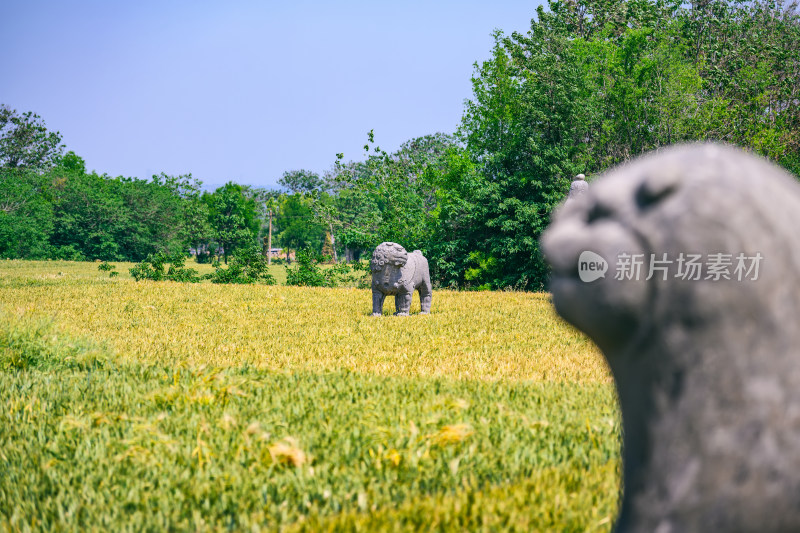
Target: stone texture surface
[
  {"x": 399, "y": 273},
  {"x": 707, "y": 372}
]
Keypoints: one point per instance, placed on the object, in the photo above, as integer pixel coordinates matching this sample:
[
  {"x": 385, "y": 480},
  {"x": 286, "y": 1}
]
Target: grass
[
  {"x": 133, "y": 406},
  {"x": 480, "y": 335}
]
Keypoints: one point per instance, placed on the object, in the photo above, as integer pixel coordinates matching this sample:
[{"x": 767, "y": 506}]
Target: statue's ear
[{"x": 407, "y": 270}]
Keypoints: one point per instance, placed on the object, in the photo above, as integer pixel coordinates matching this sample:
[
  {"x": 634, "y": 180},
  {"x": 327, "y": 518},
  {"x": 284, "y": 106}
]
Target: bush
[
  {"x": 105, "y": 266},
  {"x": 154, "y": 269},
  {"x": 246, "y": 265},
  {"x": 308, "y": 273}
]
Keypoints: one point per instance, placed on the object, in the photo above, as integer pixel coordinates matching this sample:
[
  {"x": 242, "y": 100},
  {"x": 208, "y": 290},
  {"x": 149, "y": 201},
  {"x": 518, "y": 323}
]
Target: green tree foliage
[
  {"x": 296, "y": 225},
  {"x": 195, "y": 220},
  {"x": 233, "y": 216},
  {"x": 350, "y": 213},
  {"x": 50, "y": 206},
  {"x": 88, "y": 212},
  {"x": 301, "y": 181},
  {"x": 154, "y": 216},
  {"x": 523, "y": 137},
  {"x": 115, "y": 219},
  {"x": 25, "y": 142},
  {"x": 247, "y": 266},
  {"x": 27, "y": 151},
  {"x": 747, "y": 54},
  {"x": 307, "y": 272},
  {"x": 26, "y": 215},
  {"x": 387, "y": 197},
  {"x": 154, "y": 268},
  {"x": 592, "y": 84}
]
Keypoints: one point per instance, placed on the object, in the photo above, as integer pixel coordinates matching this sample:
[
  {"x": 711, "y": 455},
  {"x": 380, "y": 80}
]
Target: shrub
[
  {"x": 154, "y": 269},
  {"x": 105, "y": 266},
  {"x": 307, "y": 272},
  {"x": 246, "y": 265}
]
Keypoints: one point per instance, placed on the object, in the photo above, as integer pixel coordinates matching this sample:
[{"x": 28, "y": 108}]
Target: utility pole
[
  {"x": 269, "y": 240},
  {"x": 333, "y": 243}
]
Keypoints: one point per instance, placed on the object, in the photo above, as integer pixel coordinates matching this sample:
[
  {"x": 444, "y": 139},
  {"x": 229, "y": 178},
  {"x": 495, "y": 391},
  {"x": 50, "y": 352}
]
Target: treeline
[
  {"x": 52, "y": 208},
  {"x": 66, "y": 212},
  {"x": 592, "y": 84}
]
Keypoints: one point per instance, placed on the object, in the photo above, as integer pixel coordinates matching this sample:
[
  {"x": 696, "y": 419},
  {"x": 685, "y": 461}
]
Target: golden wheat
[
  {"x": 152, "y": 406},
  {"x": 469, "y": 335}
]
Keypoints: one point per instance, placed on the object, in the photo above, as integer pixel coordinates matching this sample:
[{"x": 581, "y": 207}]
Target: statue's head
[
  {"x": 644, "y": 220},
  {"x": 387, "y": 264},
  {"x": 388, "y": 254}
]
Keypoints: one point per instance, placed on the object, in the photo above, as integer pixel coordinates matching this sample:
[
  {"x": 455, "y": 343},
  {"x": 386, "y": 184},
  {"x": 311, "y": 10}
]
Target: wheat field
[{"x": 161, "y": 405}]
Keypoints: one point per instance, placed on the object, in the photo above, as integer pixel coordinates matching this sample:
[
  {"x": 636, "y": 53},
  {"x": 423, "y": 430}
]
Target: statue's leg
[
  {"x": 425, "y": 296},
  {"x": 402, "y": 303},
  {"x": 377, "y": 302}
]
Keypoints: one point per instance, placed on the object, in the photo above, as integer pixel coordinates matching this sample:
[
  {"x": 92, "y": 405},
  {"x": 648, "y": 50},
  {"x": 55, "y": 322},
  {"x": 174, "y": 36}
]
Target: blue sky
[{"x": 243, "y": 91}]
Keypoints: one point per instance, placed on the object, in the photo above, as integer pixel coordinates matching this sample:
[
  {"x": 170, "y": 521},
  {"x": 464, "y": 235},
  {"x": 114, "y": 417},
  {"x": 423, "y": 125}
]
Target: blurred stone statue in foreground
[
  {"x": 399, "y": 273},
  {"x": 684, "y": 267}
]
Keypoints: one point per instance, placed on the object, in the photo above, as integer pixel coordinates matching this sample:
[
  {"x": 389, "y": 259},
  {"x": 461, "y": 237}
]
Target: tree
[
  {"x": 233, "y": 217},
  {"x": 89, "y": 213},
  {"x": 748, "y": 54},
  {"x": 387, "y": 197},
  {"x": 25, "y": 142},
  {"x": 267, "y": 201},
  {"x": 27, "y": 151},
  {"x": 115, "y": 219},
  {"x": 153, "y": 216},
  {"x": 595, "y": 83},
  {"x": 524, "y": 130},
  {"x": 301, "y": 181},
  {"x": 350, "y": 213},
  {"x": 454, "y": 260},
  {"x": 297, "y": 227},
  {"x": 196, "y": 228},
  {"x": 26, "y": 215}
]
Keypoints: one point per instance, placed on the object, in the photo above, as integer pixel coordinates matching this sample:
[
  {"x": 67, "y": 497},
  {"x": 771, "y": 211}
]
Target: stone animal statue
[
  {"x": 707, "y": 366},
  {"x": 578, "y": 187},
  {"x": 399, "y": 273}
]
